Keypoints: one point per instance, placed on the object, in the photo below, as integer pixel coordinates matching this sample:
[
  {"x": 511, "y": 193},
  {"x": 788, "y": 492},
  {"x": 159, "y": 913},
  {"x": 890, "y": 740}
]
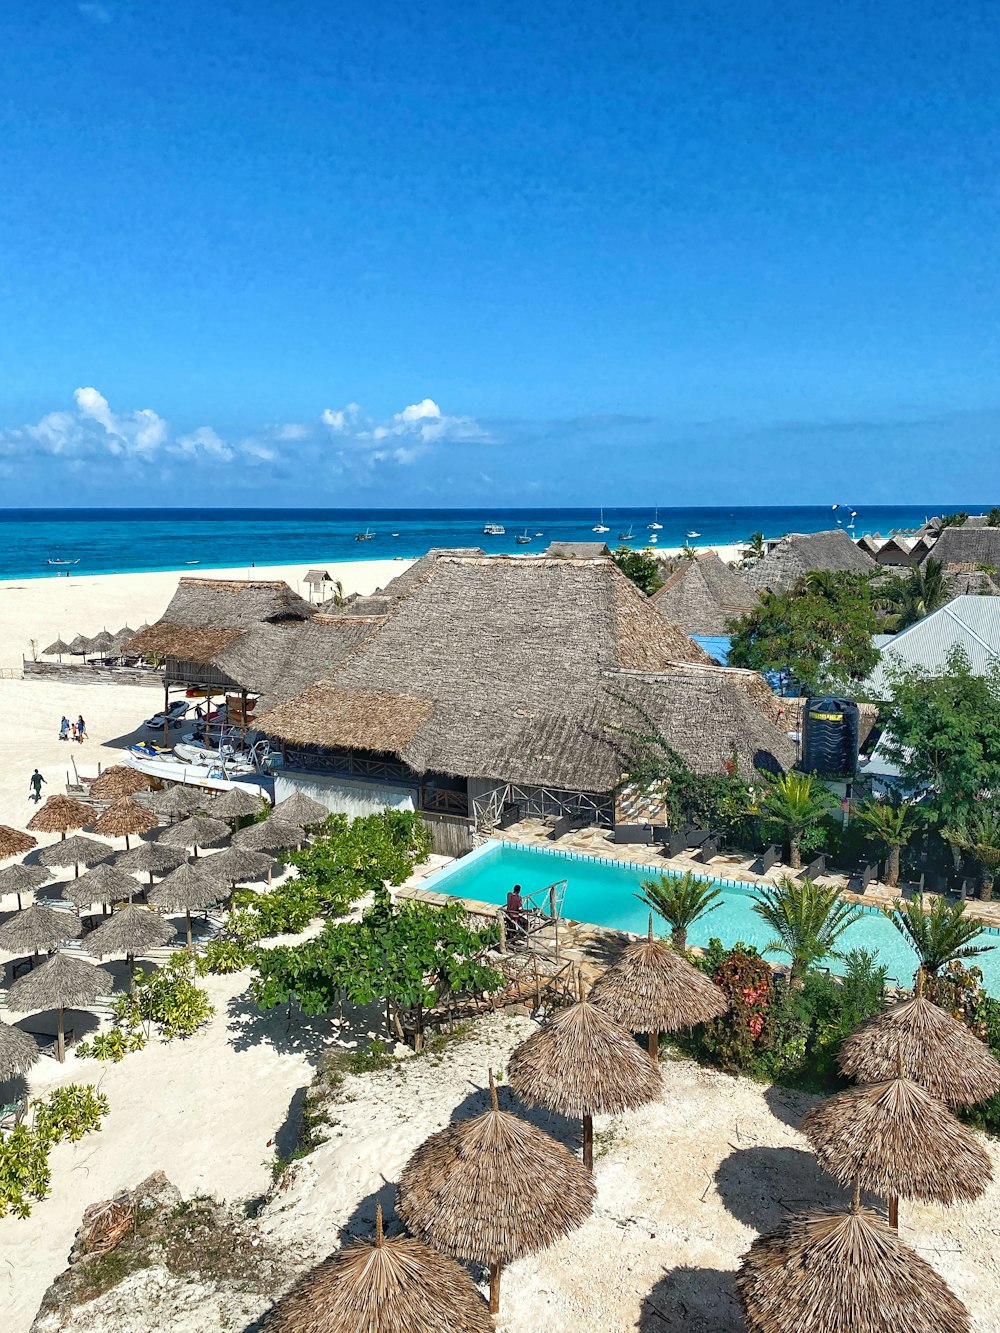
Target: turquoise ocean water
[{"x": 124, "y": 540}]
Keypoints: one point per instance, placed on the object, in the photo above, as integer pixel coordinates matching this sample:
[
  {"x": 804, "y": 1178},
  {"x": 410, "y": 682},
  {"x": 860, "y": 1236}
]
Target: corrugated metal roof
[{"x": 971, "y": 623}]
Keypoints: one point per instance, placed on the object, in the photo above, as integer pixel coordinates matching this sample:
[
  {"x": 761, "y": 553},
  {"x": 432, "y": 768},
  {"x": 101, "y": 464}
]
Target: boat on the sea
[
  {"x": 192, "y": 562},
  {"x": 652, "y": 539},
  {"x": 656, "y": 525},
  {"x": 494, "y": 530},
  {"x": 694, "y": 534},
  {"x": 626, "y": 536},
  {"x": 50, "y": 561},
  {"x": 523, "y": 538},
  {"x": 602, "y": 526},
  {"x": 365, "y": 536}
]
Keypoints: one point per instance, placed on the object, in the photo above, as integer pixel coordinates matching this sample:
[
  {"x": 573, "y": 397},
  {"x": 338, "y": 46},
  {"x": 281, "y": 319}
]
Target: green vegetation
[
  {"x": 353, "y": 857},
  {"x": 993, "y": 518},
  {"x": 753, "y": 551},
  {"x": 67, "y": 1113},
  {"x": 642, "y": 569},
  {"x": 942, "y": 936},
  {"x": 817, "y": 637},
  {"x": 904, "y": 601},
  {"x": 978, "y": 835},
  {"x": 892, "y": 824},
  {"x": 681, "y": 900},
  {"x": 807, "y": 920},
  {"x": 797, "y": 804},
  {"x": 166, "y": 999},
  {"x": 953, "y": 520}
]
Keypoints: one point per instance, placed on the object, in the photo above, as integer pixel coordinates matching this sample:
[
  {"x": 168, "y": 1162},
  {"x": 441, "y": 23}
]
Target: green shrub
[
  {"x": 223, "y": 956},
  {"x": 67, "y": 1113},
  {"x": 112, "y": 1045},
  {"x": 167, "y": 999}
]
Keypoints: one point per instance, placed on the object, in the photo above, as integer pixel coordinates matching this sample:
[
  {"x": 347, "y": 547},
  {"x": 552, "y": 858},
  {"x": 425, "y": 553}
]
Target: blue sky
[{"x": 465, "y": 253}]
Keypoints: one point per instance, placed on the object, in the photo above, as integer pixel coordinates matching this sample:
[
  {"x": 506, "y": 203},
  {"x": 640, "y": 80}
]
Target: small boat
[
  {"x": 50, "y": 561},
  {"x": 365, "y": 536},
  {"x": 626, "y": 536},
  {"x": 494, "y": 530},
  {"x": 656, "y": 525},
  {"x": 192, "y": 562},
  {"x": 602, "y": 526},
  {"x": 652, "y": 539},
  {"x": 523, "y": 538},
  {"x": 539, "y": 534},
  {"x": 395, "y": 534},
  {"x": 694, "y": 534}
]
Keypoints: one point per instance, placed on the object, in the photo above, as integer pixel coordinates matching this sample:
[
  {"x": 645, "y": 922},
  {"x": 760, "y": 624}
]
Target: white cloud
[
  {"x": 423, "y": 421},
  {"x": 141, "y": 432},
  {"x": 292, "y": 430},
  {"x": 340, "y": 419},
  {"x": 204, "y": 440}
]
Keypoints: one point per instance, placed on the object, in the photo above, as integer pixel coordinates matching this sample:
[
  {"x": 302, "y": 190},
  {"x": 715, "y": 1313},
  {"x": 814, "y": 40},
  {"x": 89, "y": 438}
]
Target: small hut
[
  {"x": 270, "y": 835},
  {"x": 178, "y": 800},
  {"x": 76, "y": 852},
  {"x": 236, "y": 803},
  {"x": 59, "y": 814},
  {"x": 61, "y": 983},
  {"x": 125, "y": 817},
  {"x": 316, "y": 580},
  {"x": 78, "y": 646},
  {"x": 100, "y": 643}
]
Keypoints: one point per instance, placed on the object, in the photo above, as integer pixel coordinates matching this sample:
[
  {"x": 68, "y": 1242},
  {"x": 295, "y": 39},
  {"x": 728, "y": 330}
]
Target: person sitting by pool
[{"x": 514, "y": 911}]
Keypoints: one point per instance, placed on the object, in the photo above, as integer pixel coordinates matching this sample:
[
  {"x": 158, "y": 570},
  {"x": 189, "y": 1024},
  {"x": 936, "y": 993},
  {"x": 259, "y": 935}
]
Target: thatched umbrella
[
  {"x": 60, "y": 813},
  {"x": 301, "y": 809},
  {"x": 124, "y": 817},
  {"x": 79, "y": 645},
  {"x": 178, "y": 800},
  {"x": 397, "y": 1285},
  {"x": 652, "y": 989},
  {"x": 14, "y": 843},
  {"x": 18, "y": 1052},
  {"x": 581, "y": 1063},
  {"x": 894, "y": 1139},
  {"x": 76, "y": 852},
  {"x": 829, "y": 1272},
  {"x": 101, "y": 642},
  {"x": 197, "y": 831},
  {"x": 131, "y": 931},
  {"x": 236, "y": 803},
  {"x": 38, "y": 928},
  {"x": 57, "y": 649},
  {"x": 60, "y": 983},
  {"x": 22, "y": 879},
  {"x": 119, "y": 780},
  {"x": 106, "y": 883},
  {"x": 492, "y": 1189},
  {"x": 938, "y": 1052},
  {"x": 270, "y": 835},
  {"x": 150, "y": 858},
  {"x": 187, "y": 889},
  {"x": 237, "y": 865}
]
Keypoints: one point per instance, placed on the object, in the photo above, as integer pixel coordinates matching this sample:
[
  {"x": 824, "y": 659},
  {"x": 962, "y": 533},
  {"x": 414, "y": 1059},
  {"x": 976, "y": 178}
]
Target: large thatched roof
[
  {"x": 493, "y": 1188},
  {"x": 704, "y": 595},
  {"x": 14, "y": 843},
  {"x": 499, "y": 667},
  {"x": 119, "y": 780},
  {"x": 826, "y": 1272},
  {"x": 651, "y": 988},
  {"x": 800, "y": 553},
  {"x": 967, "y": 548},
  {"x": 37, "y": 928},
  {"x": 581, "y": 1063},
  {"x": 937, "y": 1051},
  {"x": 895, "y": 1140},
  {"x": 397, "y": 1285},
  {"x": 578, "y": 550},
  {"x": 61, "y": 982},
  {"x": 60, "y": 813}
]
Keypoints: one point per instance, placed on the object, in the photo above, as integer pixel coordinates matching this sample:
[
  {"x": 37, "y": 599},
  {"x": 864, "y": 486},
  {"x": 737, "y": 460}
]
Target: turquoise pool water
[{"x": 601, "y": 892}]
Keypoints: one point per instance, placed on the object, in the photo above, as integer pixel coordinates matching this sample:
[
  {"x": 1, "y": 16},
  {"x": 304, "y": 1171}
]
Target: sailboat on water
[
  {"x": 656, "y": 525},
  {"x": 602, "y": 526}
]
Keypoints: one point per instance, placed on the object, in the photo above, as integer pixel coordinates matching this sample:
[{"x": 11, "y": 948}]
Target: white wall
[{"x": 342, "y": 794}]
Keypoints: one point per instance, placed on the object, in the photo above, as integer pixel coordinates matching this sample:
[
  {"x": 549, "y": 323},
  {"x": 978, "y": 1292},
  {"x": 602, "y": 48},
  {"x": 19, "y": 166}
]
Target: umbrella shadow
[
  {"x": 81, "y": 1022},
  {"x": 787, "y": 1104},
  {"x": 567, "y": 1130},
  {"x": 697, "y": 1300},
  {"x": 760, "y": 1186},
  {"x": 289, "y": 1031}
]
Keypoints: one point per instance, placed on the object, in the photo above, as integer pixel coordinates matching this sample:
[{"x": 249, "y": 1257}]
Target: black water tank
[{"x": 830, "y": 732}]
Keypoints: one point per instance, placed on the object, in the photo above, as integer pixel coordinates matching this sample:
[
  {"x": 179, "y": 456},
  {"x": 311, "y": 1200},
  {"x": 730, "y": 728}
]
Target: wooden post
[
  {"x": 653, "y": 1047},
  {"x": 588, "y": 1140},
  {"x": 190, "y": 940},
  {"x": 894, "y": 1213},
  {"x": 60, "y": 1036},
  {"x": 494, "y": 1288}
]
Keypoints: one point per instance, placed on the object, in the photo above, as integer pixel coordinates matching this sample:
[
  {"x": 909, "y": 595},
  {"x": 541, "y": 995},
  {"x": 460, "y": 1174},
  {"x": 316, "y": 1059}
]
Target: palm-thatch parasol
[
  {"x": 14, "y": 843},
  {"x": 22, "y": 879},
  {"x": 124, "y": 817},
  {"x": 131, "y": 931},
  {"x": 60, "y": 983},
  {"x": 652, "y": 989},
  {"x": 57, "y": 649},
  {"x": 119, "y": 780},
  {"x": 397, "y": 1285},
  {"x": 894, "y": 1139},
  {"x": 237, "y": 865},
  {"x": 150, "y": 858},
  {"x": 938, "y": 1052},
  {"x": 106, "y": 883},
  {"x": 301, "y": 809},
  {"x": 829, "y": 1272},
  {"x": 186, "y": 889},
  {"x": 123, "y": 636},
  {"x": 492, "y": 1189},
  {"x": 18, "y": 1052},
  {"x": 270, "y": 835},
  {"x": 38, "y": 928},
  {"x": 178, "y": 800},
  {"x": 79, "y": 645},
  {"x": 101, "y": 642},
  {"x": 236, "y": 803},
  {"x": 60, "y": 813},
  {"x": 197, "y": 831},
  {"x": 76, "y": 852},
  {"x": 580, "y": 1063}
]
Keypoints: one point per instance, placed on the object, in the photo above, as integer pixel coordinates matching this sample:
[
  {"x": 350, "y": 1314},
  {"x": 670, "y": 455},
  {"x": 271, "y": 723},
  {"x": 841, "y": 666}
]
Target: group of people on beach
[{"x": 76, "y": 731}]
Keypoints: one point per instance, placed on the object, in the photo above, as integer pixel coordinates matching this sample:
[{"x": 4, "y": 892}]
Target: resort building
[
  {"x": 966, "y": 549},
  {"x": 578, "y": 550},
  {"x": 894, "y": 552},
  {"x": 802, "y": 553},
  {"x": 969, "y": 623},
  {"x": 703, "y": 595}
]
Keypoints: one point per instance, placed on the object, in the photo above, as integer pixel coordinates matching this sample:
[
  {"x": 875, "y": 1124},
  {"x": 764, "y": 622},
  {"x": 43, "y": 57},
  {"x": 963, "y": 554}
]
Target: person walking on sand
[
  {"x": 64, "y": 728},
  {"x": 35, "y": 783},
  {"x": 81, "y": 729}
]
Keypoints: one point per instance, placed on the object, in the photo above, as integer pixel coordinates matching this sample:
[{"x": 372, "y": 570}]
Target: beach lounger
[
  {"x": 636, "y": 834},
  {"x": 711, "y": 846},
  {"x": 814, "y": 868},
  {"x": 770, "y": 857},
  {"x": 560, "y": 828}
]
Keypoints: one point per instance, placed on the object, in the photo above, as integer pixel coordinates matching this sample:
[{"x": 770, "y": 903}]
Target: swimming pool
[{"x": 601, "y": 892}]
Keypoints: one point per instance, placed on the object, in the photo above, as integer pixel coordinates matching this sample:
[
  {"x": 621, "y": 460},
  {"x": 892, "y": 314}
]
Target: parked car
[{"x": 177, "y": 710}]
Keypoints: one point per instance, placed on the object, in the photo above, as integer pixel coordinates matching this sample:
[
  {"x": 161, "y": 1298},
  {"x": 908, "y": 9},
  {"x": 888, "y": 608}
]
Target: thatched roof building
[
  {"x": 578, "y": 550},
  {"x": 704, "y": 595},
  {"x": 802, "y": 552},
  {"x": 894, "y": 553},
  {"x": 965, "y": 549}
]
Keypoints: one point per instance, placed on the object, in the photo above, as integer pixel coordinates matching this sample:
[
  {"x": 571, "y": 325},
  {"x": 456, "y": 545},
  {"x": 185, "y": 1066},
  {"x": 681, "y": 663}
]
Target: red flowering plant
[{"x": 735, "y": 1040}]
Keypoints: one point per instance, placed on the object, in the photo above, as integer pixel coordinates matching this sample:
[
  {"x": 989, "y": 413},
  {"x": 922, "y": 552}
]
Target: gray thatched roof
[
  {"x": 22, "y": 878},
  {"x": 270, "y": 835},
  {"x": 800, "y": 553},
  {"x": 62, "y": 982},
  {"x": 236, "y": 803},
  {"x": 131, "y": 930},
  {"x": 106, "y": 883},
  {"x": 967, "y": 548},
  {"x": 498, "y": 667},
  {"x": 187, "y": 888},
  {"x": 301, "y": 809},
  {"x": 319, "y": 647},
  {"x": 970, "y": 583},
  {"x": 578, "y": 550},
  {"x": 18, "y": 1052},
  {"x": 38, "y": 927},
  {"x": 75, "y": 851},
  {"x": 236, "y": 865},
  {"x": 317, "y": 576},
  {"x": 150, "y": 858},
  {"x": 704, "y": 595},
  {"x": 57, "y": 647}
]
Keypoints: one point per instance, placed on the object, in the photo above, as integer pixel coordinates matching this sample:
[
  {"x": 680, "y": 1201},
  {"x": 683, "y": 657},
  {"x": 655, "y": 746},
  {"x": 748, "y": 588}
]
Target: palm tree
[
  {"x": 905, "y": 601},
  {"x": 797, "y": 802},
  {"x": 892, "y": 824},
  {"x": 807, "y": 919},
  {"x": 680, "y": 900},
  {"x": 824, "y": 582},
  {"x": 939, "y": 936},
  {"x": 979, "y": 835},
  {"x": 754, "y": 549}
]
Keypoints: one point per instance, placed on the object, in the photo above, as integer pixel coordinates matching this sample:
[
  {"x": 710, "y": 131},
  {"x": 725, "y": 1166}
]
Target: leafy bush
[
  {"x": 112, "y": 1045},
  {"x": 286, "y": 909},
  {"x": 353, "y": 857},
  {"x": 67, "y": 1113},
  {"x": 223, "y": 956},
  {"x": 734, "y": 1041},
  {"x": 167, "y": 999}
]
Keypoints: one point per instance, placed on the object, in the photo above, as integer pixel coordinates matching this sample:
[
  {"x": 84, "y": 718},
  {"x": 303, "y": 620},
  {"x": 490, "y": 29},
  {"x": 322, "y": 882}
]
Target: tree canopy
[
  {"x": 817, "y": 636},
  {"x": 642, "y": 569}
]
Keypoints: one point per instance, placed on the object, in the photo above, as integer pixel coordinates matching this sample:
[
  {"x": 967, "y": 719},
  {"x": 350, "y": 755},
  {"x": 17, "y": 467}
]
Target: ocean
[{"x": 107, "y": 541}]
